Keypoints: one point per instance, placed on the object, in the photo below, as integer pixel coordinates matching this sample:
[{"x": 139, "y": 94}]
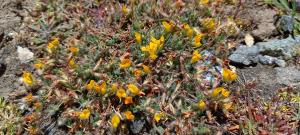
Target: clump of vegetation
[
  {"x": 10, "y": 118},
  {"x": 135, "y": 67}
]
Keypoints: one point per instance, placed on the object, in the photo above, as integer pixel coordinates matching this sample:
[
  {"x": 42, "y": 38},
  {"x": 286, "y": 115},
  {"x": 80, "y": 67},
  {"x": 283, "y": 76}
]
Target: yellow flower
[
  {"x": 72, "y": 63},
  {"x": 157, "y": 116},
  {"x": 84, "y": 114},
  {"x": 146, "y": 69},
  {"x": 197, "y": 40},
  {"x": 91, "y": 85},
  {"x": 220, "y": 90},
  {"x": 53, "y": 45},
  {"x": 114, "y": 87},
  {"x": 121, "y": 93},
  {"x": 39, "y": 65},
  {"x": 208, "y": 24},
  {"x": 217, "y": 91},
  {"x": 201, "y": 104},
  {"x": 27, "y": 78},
  {"x": 154, "y": 46},
  {"x": 125, "y": 10},
  {"x": 133, "y": 89},
  {"x": 74, "y": 50},
  {"x": 225, "y": 93},
  {"x": 138, "y": 37},
  {"x": 101, "y": 88},
  {"x": 168, "y": 26},
  {"x": 188, "y": 30},
  {"x": 228, "y": 75},
  {"x": 29, "y": 97},
  {"x": 129, "y": 115},
  {"x": 125, "y": 63},
  {"x": 196, "y": 56},
  {"x": 204, "y": 2},
  {"x": 128, "y": 100},
  {"x": 115, "y": 121},
  {"x": 137, "y": 72}
]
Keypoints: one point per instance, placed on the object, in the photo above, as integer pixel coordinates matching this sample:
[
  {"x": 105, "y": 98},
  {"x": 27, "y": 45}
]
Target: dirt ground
[{"x": 11, "y": 19}]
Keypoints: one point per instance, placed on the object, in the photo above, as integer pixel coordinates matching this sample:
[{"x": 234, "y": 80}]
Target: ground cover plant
[{"x": 141, "y": 67}]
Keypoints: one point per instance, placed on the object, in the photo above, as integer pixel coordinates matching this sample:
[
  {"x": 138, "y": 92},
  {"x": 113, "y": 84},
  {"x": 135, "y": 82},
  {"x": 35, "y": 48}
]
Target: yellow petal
[
  {"x": 115, "y": 121},
  {"x": 217, "y": 91},
  {"x": 138, "y": 37},
  {"x": 74, "y": 50},
  {"x": 128, "y": 100},
  {"x": 84, "y": 114},
  {"x": 168, "y": 26},
  {"x": 91, "y": 85},
  {"x": 129, "y": 115},
  {"x": 114, "y": 87},
  {"x": 27, "y": 78},
  {"x": 201, "y": 104},
  {"x": 125, "y": 63},
  {"x": 121, "y": 93},
  {"x": 225, "y": 93},
  {"x": 157, "y": 116},
  {"x": 72, "y": 63},
  {"x": 196, "y": 56},
  {"x": 146, "y": 69},
  {"x": 133, "y": 89}
]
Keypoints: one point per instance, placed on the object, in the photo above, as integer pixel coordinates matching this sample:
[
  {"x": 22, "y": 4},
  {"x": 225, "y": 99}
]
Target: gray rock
[
  {"x": 280, "y": 63},
  {"x": 286, "y": 23},
  {"x": 245, "y": 55},
  {"x": 284, "y": 48},
  {"x": 288, "y": 76},
  {"x": 266, "y": 60},
  {"x": 269, "y": 60}
]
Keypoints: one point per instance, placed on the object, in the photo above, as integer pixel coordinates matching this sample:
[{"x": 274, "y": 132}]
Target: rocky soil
[{"x": 12, "y": 13}]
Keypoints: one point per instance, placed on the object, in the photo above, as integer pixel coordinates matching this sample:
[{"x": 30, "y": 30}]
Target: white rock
[{"x": 24, "y": 54}]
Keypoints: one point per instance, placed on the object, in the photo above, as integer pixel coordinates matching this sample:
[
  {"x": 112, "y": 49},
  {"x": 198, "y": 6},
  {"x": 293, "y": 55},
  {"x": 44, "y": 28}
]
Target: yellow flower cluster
[
  {"x": 220, "y": 91},
  {"x": 52, "y": 46},
  {"x": 196, "y": 56},
  {"x": 98, "y": 88},
  {"x": 154, "y": 46},
  {"x": 228, "y": 75}
]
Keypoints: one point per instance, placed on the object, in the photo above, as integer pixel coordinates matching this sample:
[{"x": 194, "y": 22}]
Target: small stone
[
  {"x": 245, "y": 55},
  {"x": 24, "y": 54}
]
